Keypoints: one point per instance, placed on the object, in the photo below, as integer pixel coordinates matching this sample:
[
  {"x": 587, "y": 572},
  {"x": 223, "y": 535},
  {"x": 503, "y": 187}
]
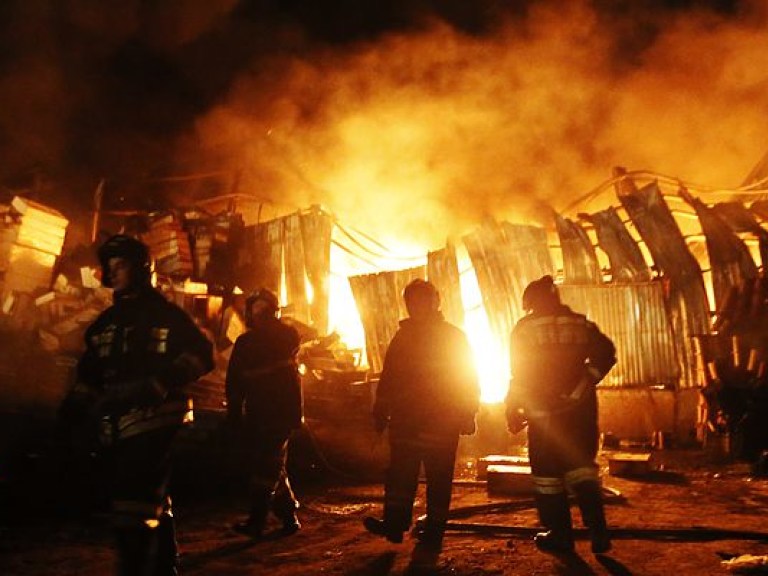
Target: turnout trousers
[
  {"x": 408, "y": 450},
  {"x": 141, "y": 507},
  {"x": 269, "y": 485},
  {"x": 562, "y": 448}
]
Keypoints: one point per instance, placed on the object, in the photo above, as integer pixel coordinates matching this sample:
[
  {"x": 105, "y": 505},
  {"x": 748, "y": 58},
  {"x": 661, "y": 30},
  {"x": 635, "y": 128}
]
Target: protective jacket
[
  {"x": 557, "y": 360},
  {"x": 140, "y": 353},
  {"x": 263, "y": 381},
  {"x": 428, "y": 380}
]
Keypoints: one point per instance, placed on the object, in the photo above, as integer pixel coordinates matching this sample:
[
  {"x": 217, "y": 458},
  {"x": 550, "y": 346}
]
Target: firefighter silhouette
[
  {"x": 427, "y": 395},
  {"x": 140, "y": 353},
  {"x": 264, "y": 406},
  {"x": 557, "y": 358}
]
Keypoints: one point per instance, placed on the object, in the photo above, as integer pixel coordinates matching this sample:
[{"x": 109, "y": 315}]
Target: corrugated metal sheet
[
  {"x": 486, "y": 247},
  {"x": 443, "y": 272},
  {"x": 295, "y": 274},
  {"x": 580, "y": 264},
  {"x": 380, "y": 305},
  {"x": 273, "y": 237},
  {"x": 316, "y": 229},
  {"x": 528, "y": 258},
  {"x": 687, "y": 298},
  {"x": 740, "y": 220},
  {"x": 634, "y": 317},
  {"x": 627, "y": 261},
  {"x": 729, "y": 258}
]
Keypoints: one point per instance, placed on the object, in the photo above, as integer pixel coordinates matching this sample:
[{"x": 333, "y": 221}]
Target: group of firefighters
[{"x": 143, "y": 350}]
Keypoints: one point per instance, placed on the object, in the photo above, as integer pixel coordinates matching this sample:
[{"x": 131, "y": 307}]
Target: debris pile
[
  {"x": 31, "y": 238},
  {"x": 734, "y": 362}
]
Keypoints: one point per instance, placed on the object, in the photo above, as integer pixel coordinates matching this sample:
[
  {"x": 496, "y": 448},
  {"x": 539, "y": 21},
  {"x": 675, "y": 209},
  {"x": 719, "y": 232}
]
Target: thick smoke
[
  {"x": 420, "y": 133},
  {"x": 412, "y": 122}
]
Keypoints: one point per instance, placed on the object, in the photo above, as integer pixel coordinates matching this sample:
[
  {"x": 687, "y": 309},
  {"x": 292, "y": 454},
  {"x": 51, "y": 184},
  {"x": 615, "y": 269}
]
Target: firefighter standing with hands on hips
[
  {"x": 140, "y": 354},
  {"x": 427, "y": 395},
  {"x": 264, "y": 407},
  {"x": 558, "y": 357}
]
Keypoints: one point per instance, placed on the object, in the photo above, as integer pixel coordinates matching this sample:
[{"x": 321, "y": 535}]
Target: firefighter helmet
[
  {"x": 540, "y": 293},
  {"x": 132, "y": 250},
  {"x": 267, "y": 296}
]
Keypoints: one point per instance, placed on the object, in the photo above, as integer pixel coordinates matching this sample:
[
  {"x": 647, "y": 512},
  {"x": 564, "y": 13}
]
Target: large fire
[
  {"x": 490, "y": 359},
  {"x": 419, "y": 134}
]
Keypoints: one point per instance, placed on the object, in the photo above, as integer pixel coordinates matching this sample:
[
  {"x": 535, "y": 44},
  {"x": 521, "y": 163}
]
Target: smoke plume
[{"x": 411, "y": 120}]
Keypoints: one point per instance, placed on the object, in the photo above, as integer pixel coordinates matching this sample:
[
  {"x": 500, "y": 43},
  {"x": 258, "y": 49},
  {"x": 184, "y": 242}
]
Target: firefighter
[
  {"x": 427, "y": 395},
  {"x": 558, "y": 357},
  {"x": 264, "y": 405},
  {"x": 140, "y": 353}
]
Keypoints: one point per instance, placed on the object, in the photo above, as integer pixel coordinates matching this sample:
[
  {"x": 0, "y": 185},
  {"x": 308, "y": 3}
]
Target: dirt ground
[{"x": 687, "y": 492}]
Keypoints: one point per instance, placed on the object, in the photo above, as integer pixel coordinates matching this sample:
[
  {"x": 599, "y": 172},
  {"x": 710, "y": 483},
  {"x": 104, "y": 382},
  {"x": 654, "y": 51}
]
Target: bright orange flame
[
  {"x": 490, "y": 358},
  {"x": 191, "y": 287},
  {"x": 343, "y": 317},
  {"x": 309, "y": 290}
]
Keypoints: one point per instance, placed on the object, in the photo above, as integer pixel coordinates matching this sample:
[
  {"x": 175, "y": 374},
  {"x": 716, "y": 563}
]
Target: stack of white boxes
[
  {"x": 169, "y": 246},
  {"x": 31, "y": 238}
]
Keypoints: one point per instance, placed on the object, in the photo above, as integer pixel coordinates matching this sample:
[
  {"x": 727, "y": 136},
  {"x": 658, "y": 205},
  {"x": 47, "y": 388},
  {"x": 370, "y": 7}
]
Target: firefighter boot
[
  {"x": 254, "y": 525},
  {"x": 382, "y": 528},
  {"x": 284, "y": 506},
  {"x": 167, "y": 547},
  {"x": 590, "y": 499},
  {"x": 555, "y": 516},
  {"x": 431, "y": 537},
  {"x": 137, "y": 550}
]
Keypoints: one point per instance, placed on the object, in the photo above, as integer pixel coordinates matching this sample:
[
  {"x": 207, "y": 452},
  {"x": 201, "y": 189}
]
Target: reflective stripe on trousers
[
  {"x": 579, "y": 475},
  {"x": 548, "y": 485}
]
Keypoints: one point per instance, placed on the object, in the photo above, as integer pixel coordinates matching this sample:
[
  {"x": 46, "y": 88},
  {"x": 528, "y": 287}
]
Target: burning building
[{"x": 651, "y": 267}]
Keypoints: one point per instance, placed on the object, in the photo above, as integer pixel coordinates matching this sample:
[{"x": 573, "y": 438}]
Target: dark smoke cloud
[{"x": 280, "y": 91}]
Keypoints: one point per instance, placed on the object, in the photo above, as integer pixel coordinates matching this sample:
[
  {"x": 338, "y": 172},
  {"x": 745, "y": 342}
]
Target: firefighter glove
[{"x": 516, "y": 420}]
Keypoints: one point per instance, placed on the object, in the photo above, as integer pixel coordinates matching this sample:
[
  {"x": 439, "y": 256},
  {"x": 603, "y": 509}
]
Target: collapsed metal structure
[{"x": 630, "y": 267}]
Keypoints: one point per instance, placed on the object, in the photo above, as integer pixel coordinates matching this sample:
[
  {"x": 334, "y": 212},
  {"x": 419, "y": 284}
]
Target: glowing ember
[{"x": 191, "y": 287}]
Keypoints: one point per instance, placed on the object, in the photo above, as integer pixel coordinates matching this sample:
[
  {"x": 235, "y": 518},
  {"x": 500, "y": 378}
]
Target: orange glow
[
  {"x": 191, "y": 287},
  {"x": 309, "y": 290},
  {"x": 490, "y": 357}
]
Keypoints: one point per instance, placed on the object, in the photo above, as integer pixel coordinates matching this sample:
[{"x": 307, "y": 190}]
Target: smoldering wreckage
[{"x": 676, "y": 281}]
